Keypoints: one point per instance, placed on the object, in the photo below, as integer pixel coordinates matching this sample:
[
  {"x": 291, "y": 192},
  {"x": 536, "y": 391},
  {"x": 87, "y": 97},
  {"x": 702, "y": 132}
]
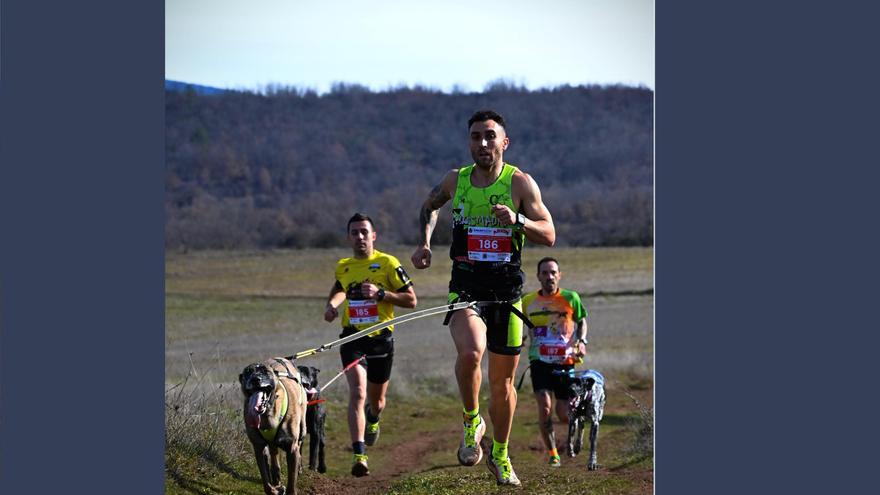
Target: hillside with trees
[{"x": 286, "y": 168}]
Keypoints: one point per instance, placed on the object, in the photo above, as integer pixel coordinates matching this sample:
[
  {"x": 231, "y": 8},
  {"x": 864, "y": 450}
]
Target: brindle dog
[{"x": 275, "y": 420}]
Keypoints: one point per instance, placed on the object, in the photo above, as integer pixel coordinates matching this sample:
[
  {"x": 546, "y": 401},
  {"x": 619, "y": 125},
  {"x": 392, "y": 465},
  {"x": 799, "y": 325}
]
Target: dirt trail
[
  {"x": 411, "y": 458},
  {"x": 408, "y": 459}
]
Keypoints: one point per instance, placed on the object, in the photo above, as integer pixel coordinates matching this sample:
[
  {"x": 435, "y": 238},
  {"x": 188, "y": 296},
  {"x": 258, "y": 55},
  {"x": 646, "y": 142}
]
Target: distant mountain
[
  {"x": 180, "y": 86},
  {"x": 286, "y": 168}
]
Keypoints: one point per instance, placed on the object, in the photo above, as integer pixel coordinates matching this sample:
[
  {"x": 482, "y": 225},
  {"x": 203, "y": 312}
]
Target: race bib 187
[{"x": 552, "y": 351}]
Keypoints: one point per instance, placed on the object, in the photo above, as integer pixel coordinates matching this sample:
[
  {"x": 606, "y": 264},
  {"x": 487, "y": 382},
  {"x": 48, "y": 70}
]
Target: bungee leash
[
  {"x": 446, "y": 308},
  {"x": 385, "y": 324},
  {"x": 480, "y": 305},
  {"x": 346, "y": 368},
  {"x": 522, "y": 377}
]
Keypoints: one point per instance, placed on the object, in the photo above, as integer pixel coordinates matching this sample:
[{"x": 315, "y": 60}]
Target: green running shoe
[
  {"x": 555, "y": 461},
  {"x": 469, "y": 451},
  {"x": 371, "y": 433},
  {"x": 359, "y": 468},
  {"x": 503, "y": 471}
]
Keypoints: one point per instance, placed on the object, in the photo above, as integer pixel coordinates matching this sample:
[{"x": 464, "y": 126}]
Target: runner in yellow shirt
[{"x": 368, "y": 286}]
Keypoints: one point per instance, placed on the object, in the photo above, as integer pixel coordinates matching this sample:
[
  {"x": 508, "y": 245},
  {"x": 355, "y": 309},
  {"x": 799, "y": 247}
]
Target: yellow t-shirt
[{"x": 380, "y": 269}]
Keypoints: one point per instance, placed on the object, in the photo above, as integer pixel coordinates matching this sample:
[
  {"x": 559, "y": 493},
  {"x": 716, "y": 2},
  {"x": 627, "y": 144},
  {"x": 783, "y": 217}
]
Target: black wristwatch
[
  {"x": 520, "y": 220},
  {"x": 381, "y": 294}
]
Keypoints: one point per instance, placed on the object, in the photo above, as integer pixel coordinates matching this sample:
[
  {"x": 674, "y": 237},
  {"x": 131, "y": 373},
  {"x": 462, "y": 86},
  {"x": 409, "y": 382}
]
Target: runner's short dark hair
[
  {"x": 360, "y": 217},
  {"x": 484, "y": 115},
  {"x": 546, "y": 259}
]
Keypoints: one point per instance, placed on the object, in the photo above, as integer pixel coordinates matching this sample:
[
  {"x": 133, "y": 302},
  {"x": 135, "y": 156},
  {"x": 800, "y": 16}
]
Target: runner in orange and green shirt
[{"x": 556, "y": 343}]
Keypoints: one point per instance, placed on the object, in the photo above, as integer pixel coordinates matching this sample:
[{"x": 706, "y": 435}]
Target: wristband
[{"x": 380, "y": 295}]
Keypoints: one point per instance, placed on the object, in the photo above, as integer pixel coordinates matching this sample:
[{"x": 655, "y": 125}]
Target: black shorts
[
  {"x": 381, "y": 346},
  {"x": 503, "y": 328},
  {"x": 543, "y": 378}
]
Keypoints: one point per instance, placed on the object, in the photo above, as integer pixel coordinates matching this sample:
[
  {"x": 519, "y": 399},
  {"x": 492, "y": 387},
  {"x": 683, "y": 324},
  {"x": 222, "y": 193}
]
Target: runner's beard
[{"x": 485, "y": 162}]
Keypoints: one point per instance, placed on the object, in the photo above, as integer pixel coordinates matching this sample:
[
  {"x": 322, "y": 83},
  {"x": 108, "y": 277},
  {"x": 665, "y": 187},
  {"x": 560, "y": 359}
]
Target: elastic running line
[
  {"x": 385, "y": 324},
  {"x": 346, "y": 368},
  {"x": 350, "y": 366},
  {"x": 480, "y": 304}
]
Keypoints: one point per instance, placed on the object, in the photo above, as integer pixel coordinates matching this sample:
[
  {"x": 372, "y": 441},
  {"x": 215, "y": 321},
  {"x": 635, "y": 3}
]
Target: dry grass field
[{"x": 225, "y": 310}]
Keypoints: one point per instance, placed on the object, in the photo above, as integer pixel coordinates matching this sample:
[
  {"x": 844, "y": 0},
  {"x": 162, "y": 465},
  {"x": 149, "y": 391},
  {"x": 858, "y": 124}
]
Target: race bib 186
[
  {"x": 489, "y": 244},
  {"x": 363, "y": 311}
]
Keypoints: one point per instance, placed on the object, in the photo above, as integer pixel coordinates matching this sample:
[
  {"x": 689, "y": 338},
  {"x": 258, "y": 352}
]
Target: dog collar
[{"x": 269, "y": 434}]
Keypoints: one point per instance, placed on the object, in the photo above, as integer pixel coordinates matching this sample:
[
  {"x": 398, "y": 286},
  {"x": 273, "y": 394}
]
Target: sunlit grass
[{"x": 227, "y": 309}]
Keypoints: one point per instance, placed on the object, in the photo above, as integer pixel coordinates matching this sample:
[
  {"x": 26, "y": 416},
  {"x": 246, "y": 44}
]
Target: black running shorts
[
  {"x": 381, "y": 348},
  {"x": 503, "y": 328},
  {"x": 543, "y": 378}
]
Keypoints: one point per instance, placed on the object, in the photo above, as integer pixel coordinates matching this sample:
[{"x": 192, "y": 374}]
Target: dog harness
[{"x": 269, "y": 434}]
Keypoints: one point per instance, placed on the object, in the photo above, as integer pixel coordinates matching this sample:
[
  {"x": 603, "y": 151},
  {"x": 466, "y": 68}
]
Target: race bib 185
[{"x": 363, "y": 311}]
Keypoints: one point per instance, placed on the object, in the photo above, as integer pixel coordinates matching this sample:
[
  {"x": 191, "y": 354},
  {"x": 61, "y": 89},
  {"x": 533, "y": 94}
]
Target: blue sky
[{"x": 387, "y": 43}]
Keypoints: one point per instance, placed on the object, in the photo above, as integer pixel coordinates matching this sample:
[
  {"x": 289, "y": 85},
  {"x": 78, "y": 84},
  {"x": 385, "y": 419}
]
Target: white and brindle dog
[
  {"x": 275, "y": 420},
  {"x": 586, "y": 403}
]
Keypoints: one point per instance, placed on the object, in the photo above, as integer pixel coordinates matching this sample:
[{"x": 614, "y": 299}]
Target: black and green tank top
[{"x": 478, "y": 239}]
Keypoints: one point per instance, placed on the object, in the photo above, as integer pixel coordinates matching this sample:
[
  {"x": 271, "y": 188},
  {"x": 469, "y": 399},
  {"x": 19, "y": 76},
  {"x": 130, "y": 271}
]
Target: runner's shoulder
[
  {"x": 570, "y": 293},
  {"x": 521, "y": 179},
  {"x": 528, "y": 298},
  {"x": 450, "y": 180},
  {"x": 574, "y": 299},
  {"x": 352, "y": 263},
  {"x": 387, "y": 260}
]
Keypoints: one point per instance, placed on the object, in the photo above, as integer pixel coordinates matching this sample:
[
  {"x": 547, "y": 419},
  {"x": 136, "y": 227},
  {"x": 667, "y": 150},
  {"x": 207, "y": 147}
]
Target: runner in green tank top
[
  {"x": 495, "y": 207},
  {"x": 477, "y": 234}
]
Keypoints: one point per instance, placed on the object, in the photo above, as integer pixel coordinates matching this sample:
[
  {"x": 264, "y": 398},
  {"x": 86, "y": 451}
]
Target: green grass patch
[
  {"x": 226, "y": 309},
  {"x": 309, "y": 272}
]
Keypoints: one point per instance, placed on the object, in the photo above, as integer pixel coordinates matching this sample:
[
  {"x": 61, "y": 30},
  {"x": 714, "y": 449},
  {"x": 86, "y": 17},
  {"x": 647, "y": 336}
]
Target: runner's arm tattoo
[{"x": 431, "y": 211}]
